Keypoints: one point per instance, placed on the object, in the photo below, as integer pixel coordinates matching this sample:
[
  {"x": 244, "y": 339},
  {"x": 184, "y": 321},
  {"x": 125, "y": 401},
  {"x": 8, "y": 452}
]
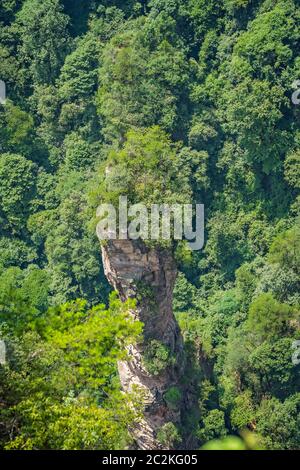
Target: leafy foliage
[
  {"x": 157, "y": 357},
  {"x": 59, "y": 387}
]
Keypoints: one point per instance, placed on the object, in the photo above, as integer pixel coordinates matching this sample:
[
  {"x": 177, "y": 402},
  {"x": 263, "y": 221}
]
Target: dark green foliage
[
  {"x": 173, "y": 397},
  {"x": 42, "y": 27},
  {"x": 58, "y": 388},
  {"x": 278, "y": 422}
]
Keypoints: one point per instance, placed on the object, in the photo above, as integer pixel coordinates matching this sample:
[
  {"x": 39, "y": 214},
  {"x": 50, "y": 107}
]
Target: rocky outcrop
[{"x": 148, "y": 275}]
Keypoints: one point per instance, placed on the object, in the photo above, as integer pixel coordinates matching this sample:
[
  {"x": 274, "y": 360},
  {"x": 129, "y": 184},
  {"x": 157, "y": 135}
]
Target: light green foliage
[
  {"x": 86, "y": 336},
  {"x": 76, "y": 425},
  {"x": 249, "y": 106},
  {"x": 15, "y": 252},
  {"x": 74, "y": 261},
  {"x": 243, "y": 414},
  {"x": 221, "y": 315},
  {"x": 228, "y": 443},
  {"x": 78, "y": 153},
  {"x": 213, "y": 426},
  {"x": 78, "y": 77},
  {"x": 235, "y": 4},
  {"x": 279, "y": 423},
  {"x": 274, "y": 369},
  {"x": 17, "y": 176},
  {"x": 168, "y": 435},
  {"x": 292, "y": 169},
  {"x": 60, "y": 390},
  {"x": 247, "y": 442},
  {"x": 157, "y": 357},
  {"x": 184, "y": 294},
  {"x": 23, "y": 296},
  {"x": 268, "y": 318},
  {"x": 17, "y": 129},
  {"x": 285, "y": 249},
  {"x": 142, "y": 86},
  {"x": 77, "y": 85},
  {"x": 146, "y": 170}
]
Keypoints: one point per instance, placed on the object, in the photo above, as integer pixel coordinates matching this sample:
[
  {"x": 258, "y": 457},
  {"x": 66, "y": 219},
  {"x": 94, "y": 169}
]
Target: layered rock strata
[{"x": 148, "y": 275}]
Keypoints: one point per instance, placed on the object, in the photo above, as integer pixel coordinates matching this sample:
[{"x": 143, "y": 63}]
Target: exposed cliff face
[{"x": 148, "y": 275}]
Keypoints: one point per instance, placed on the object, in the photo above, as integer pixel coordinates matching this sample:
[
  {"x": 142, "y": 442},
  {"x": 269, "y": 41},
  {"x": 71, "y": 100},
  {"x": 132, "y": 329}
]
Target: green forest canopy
[{"x": 211, "y": 82}]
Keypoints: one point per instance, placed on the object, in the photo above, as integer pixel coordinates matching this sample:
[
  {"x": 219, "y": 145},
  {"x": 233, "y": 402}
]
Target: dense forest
[{"x": 208, "y": 84}]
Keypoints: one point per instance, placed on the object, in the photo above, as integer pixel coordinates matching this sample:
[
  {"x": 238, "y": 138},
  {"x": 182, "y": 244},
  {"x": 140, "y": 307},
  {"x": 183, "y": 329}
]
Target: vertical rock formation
[{"x": 148, "y": 274}]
